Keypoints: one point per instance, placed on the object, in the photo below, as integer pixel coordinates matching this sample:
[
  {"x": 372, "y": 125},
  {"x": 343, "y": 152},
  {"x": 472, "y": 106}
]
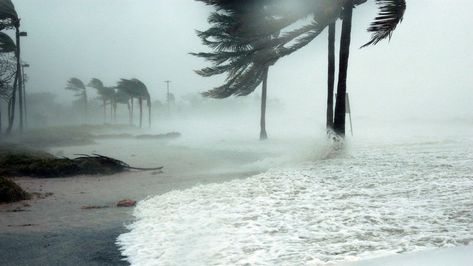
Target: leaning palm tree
[
  {"x": 9, "y": 20},
  {"x": 106, "y": 94},
  {"x": 296, "y": 32},
  {"x": 136, "y": 89},
  {"x": 76, "y": 85},
  {"x": 7, "y": 71},
  {"x": 236, "y": 53},
  {"x": 122, "y": 97}
]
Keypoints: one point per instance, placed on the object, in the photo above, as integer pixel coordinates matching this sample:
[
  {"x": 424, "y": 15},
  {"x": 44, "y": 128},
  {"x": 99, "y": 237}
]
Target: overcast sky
[{"x": 426, "y": 69}]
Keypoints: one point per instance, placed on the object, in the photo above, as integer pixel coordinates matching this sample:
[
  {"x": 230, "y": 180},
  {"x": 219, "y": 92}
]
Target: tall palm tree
[
  {"x": 122, "y": 97},
  {"x": 235, "y": 51},
  {"x": 9, "y": 19},
  {"x": 7, "y": 69},
  {"x": 297, "y": 33},
  {"x": 76, "y": 85},
  {"x": 136, "y": 89}
]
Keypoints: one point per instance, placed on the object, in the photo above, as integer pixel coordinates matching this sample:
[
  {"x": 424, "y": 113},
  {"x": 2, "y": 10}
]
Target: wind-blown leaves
[
  {"x": 8, "y": 16},
  {"x": 7, "y": 45},
  {"x": 391, "y": 13},
  {"x": 105, "y": 92},
  {"x": 75, "y": 84}
]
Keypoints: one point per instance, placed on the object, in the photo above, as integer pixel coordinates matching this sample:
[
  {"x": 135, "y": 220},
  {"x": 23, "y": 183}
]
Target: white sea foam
[{"x": 373, "y": 200}]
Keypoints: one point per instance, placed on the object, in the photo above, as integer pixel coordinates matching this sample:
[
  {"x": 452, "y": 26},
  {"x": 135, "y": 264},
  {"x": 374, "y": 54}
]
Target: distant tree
[
  {"x": 106, "y": 94},
  {"x": 77, "y": 86},
  {"x": 122, "y": 97},
  {"x": 136, "y": 89}
]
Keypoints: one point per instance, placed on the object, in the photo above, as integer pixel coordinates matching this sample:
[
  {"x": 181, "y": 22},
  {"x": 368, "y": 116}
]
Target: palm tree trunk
[
  {"x": 85, "y": 107},
  {"x": 111, "y": 112},
  {"x": 149, "y": 112},
  {"x": 263, "y": 135},
  {"x": 331, "y": 74},
  {"x": 11, "y": 106},
  {"x": 132, "y": 109},
  {"x": 0, "y": 119},
  {"x": 12, "y": 102},
  {"x": 104, "y": 111},
  {"x": 129, "y": 112},
  {"x": 340, "y": 107},
  {"x": 20, "y": 76},
  {"x": 140, "y": 100}
]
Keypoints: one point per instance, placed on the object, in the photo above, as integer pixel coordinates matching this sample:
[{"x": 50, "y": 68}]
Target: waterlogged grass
[{"x": 46, "y": 165}]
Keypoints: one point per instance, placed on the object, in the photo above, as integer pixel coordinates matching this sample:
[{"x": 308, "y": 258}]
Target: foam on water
[{"x": 372, "y": 200}]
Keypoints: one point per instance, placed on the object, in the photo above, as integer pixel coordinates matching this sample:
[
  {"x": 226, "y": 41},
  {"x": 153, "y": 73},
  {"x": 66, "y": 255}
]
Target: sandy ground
[{"x": 55, "y": 230}]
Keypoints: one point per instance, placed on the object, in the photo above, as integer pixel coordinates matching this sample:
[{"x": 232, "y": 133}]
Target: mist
[{"x": 189, "y": 178}]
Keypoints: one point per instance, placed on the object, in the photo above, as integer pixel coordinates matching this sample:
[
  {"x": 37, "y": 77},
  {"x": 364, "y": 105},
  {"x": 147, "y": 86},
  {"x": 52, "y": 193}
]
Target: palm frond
[
  {"x": 391, "y": 13},
  {"x": 7, "y": 45},
  {"x": 75, "y": 84}
]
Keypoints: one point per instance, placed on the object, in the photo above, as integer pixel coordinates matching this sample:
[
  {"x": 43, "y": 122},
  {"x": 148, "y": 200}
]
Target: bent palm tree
[
  {"x": 7, "y": 70},
  {"x": 136, "y": 89},
  {"x": 236, "y": 51},
  {"x": 106, "y": 94},
  {"x": 76, "y": 85},
  {"x": 259, "y": 50},
  {"x": 9, "y": 19}
]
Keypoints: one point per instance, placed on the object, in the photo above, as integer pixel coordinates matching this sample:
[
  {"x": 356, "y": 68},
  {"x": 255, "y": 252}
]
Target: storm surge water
[{"x": 374, "y": 198}]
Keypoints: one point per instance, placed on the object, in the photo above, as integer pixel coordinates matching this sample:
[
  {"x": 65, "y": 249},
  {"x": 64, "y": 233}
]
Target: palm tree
[
  {"x": 330, "y": 75},
  {"x": 76, "y": 85},
  {"x": 9, "y": 19},
  {"x": 284, "y": 18},
  {"x": 235, "y": 52},
  {"x": 122, "y": 97},
  {"x": 136, "y": 89},
  {"x": 7, "y": 70},
  {"x": 106, "y": 94}
]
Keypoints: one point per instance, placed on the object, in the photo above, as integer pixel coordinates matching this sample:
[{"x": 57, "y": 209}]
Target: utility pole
[{"x": 167, "y": 94}]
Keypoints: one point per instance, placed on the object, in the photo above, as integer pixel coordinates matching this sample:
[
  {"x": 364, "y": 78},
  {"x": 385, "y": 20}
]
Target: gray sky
[{"x": 424, "y": 71}]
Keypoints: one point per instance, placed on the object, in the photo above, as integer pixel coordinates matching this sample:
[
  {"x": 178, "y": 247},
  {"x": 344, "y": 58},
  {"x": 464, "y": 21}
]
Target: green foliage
[
  {"x": 105, "y": 92},
  {"x": 7, "y": 45},
  {"x": 248, "y": 36},
  {"x": 133, "y": 87},
  {"x": 8, "y": 16},
  {"x": 75, "y": 84}
]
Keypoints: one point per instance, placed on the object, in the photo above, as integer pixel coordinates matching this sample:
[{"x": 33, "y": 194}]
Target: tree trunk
[
  {"x": 129, "y": 112},
  {"x": 85, "y": 107},
  {"x": 331, "y": 74},
  {"x": 149, "y": 112},
  {"x": 20, "y": 76},
  {"x": 114, "y": 111},
  {"x": 111, "y": 111},
  {"x": 132, "y": 110},
  {"x": 104, "y": 111},
  {"x": 141, "y": 111},
  {"x": 24, "y": 99},
  {"x": 12, "y": 102},
  {"x": 263, "y": 135},
  {"x": 0, "y": 120},
  {"x": 340, "y": 107},
  {"x": 11, "y": 106}
]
